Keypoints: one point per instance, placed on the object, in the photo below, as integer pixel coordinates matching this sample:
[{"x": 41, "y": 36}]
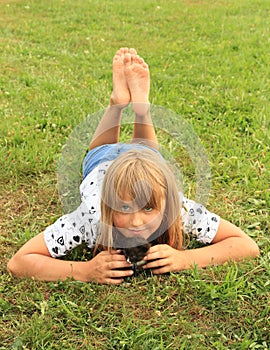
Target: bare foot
[
  {"x": 120, "y": 95},
  {"x": 138, "y": 81}
]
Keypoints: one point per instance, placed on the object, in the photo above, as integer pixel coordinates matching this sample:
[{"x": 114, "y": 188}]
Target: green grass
[{"x": 209, "y": 63}]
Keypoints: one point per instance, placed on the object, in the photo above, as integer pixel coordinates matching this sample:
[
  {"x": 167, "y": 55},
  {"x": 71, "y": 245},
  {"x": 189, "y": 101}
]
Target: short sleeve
[
  {"x": 198, "y": 222},
  {"x": 82, "y": 225},
  {"x": 70, "y": 231}
]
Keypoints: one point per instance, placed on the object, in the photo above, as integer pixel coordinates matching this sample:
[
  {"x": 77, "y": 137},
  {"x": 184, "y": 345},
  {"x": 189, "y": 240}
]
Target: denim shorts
[{"x": 107, "y": 153}]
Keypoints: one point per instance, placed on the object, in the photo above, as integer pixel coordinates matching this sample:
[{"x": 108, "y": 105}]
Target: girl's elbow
[
  {"x": 255, "y": 250},
  {"x": 13, "y": 267},
  {"x": 10, "y": 267},
  {"x": 252, "y": 249}
]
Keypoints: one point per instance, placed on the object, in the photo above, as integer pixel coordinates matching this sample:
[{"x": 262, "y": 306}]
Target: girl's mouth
[{"x": 136, "y": 232}]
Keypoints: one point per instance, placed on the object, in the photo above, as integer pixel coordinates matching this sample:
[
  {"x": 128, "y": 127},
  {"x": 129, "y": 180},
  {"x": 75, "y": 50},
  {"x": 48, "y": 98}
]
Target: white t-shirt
[{"x": 82, "y": 225}]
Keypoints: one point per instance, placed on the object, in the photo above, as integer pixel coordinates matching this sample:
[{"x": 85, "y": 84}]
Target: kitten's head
[{"x": 136, "y": 249}]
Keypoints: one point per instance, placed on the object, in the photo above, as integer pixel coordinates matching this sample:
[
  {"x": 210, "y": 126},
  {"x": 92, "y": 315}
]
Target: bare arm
[
  {"x": 230, "y": 243},
  {"x": 33, "y": 260}
]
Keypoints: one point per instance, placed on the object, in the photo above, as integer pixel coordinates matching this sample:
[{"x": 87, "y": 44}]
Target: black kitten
[
  {"x": 138, "y": 247},
  {"x": 135, "y": 250}
]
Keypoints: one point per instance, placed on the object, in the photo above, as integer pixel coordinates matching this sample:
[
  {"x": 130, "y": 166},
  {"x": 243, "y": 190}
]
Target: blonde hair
[{"x": 145, "y": 178}]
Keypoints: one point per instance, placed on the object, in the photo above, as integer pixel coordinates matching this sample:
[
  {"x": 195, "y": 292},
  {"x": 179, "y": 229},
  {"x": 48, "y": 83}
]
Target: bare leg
[
  {"x": 138, "y": 81},
  {"x": 109, "y": 127}
]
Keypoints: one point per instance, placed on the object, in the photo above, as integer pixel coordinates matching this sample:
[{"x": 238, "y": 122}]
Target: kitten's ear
[
  {"x": 145, "y": 248},
  {"x": 125, "y": 253}
]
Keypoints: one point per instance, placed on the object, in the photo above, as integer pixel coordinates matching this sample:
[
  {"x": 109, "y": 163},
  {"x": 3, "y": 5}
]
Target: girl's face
[{"x": 131, "y": 220}]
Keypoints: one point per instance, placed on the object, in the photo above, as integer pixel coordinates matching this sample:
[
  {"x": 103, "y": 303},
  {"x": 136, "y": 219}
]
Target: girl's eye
[
  {"x": 148, "y": 209},
  {"x": 125, "y": 207}
]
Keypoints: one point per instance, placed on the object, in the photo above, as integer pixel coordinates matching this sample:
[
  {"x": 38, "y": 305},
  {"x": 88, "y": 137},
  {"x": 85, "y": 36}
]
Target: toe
[
  {"x": 127, "y": 59},
  {"x": 137, "y": 59},
  {"x": 124, "y": 50},
  {"x": 116, "y": 57},
  {"x": 133, "y": 51},
  {"x": 145, "y": 65}
]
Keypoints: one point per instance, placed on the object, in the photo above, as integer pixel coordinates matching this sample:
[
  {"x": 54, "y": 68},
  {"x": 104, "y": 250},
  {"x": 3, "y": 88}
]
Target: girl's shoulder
[
  {"x": 198, "y": 221},
  {"x": 93, "y": 181}
]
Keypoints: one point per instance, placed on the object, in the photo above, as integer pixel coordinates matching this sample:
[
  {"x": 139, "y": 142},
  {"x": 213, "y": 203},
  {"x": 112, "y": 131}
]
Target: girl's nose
[{"x": 136, "y": 219}]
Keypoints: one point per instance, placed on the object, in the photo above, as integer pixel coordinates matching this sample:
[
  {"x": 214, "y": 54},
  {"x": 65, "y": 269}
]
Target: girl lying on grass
[{"x": 128, "y": 191}]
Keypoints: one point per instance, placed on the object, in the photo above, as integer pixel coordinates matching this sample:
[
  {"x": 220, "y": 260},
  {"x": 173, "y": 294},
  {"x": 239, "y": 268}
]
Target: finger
[
  {"x": 118, "y": 265},
  {"x": 118, "y": 257},
  {"x": 156, "y": 252},
  {"x": 120, "y": 273},
  {"x": 117, "y": 251},
  {"x": 112, "y": 255},
  {"x": 157, "y": 248},
  {"x": 114, "y": 281},
  {"x": 156, "y": 264},
  {"x": 156, "y": 255},
  {"x": 160, "y": 271}
]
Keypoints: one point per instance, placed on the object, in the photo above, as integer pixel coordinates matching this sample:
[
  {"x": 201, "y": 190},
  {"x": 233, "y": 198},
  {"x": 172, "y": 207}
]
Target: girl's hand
[
  {"x": 103, "y": 268},
  {"x": 169, "y": 259}
]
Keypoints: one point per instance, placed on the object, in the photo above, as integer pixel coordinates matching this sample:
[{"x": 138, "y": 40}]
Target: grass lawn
[{"x": 210, "y": 64}]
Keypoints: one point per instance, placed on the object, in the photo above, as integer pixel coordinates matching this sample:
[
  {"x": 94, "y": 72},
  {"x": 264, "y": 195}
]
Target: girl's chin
[{"x": 132, "y": 234}]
